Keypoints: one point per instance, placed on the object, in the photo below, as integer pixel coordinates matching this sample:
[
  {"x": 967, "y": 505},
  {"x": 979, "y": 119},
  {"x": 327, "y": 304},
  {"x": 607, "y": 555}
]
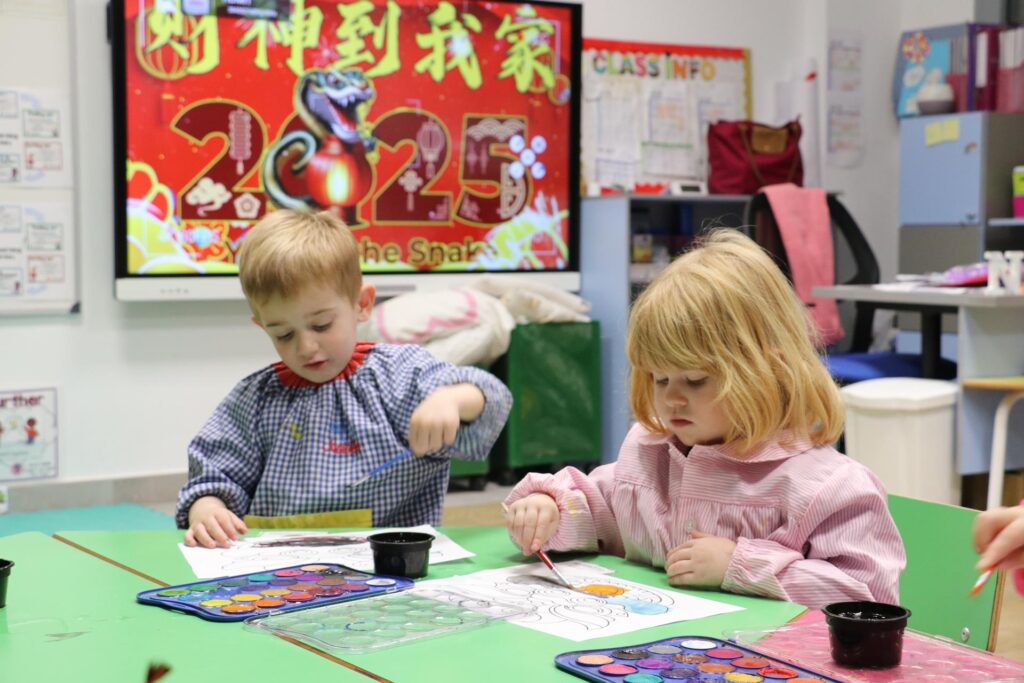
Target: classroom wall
[
  {"x": 871, "y": 190},
  {"x": 136, "y": 380},
  {"x": 775, "y": 32}
]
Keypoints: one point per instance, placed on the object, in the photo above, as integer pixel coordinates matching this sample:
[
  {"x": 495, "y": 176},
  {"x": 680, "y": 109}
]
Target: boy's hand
[
  {"x": 212, "y": 525},
  {"x": 435, "y": 422},
  {"x": 700, "y": 562},
  {"x": 999, "y": 537},
  {"x": 532, "y": 521}
]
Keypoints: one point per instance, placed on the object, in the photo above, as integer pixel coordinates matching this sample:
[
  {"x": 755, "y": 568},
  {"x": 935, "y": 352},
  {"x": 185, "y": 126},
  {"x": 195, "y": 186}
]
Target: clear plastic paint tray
[
  {"x": 925, "y": 657},
  {"x": 385, "y": 621}
]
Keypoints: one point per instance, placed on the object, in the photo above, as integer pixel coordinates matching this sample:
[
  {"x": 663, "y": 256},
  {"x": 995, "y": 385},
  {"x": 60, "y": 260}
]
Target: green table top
[
  {"x": 499, "y": 652},
  {"x": 73, "y": 617}
]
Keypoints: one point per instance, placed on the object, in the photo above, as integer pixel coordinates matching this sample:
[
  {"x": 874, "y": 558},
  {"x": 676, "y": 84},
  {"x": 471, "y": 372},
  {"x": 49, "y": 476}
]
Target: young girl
[
  {"x": 999, "y": 537},
  {"x": 728, "y": 479}
]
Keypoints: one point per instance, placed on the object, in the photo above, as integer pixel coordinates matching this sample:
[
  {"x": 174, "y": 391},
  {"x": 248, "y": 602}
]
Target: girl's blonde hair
[
  {"x": 726, "y": 309},
  {"x": 290, "y": 250}
]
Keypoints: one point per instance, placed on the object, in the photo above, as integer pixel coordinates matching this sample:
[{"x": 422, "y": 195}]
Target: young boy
[{"x": 292, "y": 438}]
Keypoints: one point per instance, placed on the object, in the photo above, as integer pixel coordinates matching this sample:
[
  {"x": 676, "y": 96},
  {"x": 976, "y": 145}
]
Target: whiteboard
[{"x": 38, "y": 235}]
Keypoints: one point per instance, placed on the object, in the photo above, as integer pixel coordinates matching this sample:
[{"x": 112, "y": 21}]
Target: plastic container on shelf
[
  {"x": 1018, "y": 191},
  {"x": 902, "y": 428}
]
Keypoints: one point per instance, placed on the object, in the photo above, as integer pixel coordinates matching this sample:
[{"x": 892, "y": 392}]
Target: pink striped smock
[{"x": 811, "y": 525}]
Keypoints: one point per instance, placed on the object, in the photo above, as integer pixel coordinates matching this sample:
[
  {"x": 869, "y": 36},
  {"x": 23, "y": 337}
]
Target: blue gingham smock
[{"x": 281, "y": 445}]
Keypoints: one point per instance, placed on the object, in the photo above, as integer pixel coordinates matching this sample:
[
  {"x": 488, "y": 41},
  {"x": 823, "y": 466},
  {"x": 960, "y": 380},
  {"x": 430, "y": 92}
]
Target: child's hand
[
  {"x": 435, "y": 422},
  {"x": 700, "y": 562},
  {"x": 999, "y": 537},
  {"x": 211, "y": 524},
  {"x": 532, "y": 521}
]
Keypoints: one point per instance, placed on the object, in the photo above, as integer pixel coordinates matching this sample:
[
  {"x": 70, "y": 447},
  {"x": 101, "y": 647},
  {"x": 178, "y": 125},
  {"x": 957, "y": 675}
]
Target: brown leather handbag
[{"x": 744, "y": 156}]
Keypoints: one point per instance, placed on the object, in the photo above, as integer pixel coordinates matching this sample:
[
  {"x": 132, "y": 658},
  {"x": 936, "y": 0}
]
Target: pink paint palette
[
  {"x": 924, "y": 658},
  {"x": 691, "y": 659}
]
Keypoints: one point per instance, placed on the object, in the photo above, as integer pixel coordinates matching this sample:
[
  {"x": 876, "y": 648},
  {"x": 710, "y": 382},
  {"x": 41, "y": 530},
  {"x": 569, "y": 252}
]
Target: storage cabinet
[
  {"x": 941, "y": 181},
  {"x": 954, "y": 179},
  {"x": 610, "y": 279}
]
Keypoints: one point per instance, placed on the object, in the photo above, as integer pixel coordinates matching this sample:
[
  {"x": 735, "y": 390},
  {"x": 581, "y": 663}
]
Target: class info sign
[{"x": 443, "y": 133}]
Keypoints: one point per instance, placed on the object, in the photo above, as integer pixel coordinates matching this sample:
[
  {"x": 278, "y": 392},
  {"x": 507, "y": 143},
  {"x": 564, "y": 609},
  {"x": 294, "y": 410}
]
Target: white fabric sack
[
  {"x": 460, "y": 326},
  {"x": 501, "y": 287},
  {"x": 531, "y": 307}
]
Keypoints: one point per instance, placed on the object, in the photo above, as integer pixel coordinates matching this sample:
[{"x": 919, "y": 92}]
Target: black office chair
[{"x": 849, "y": 360}]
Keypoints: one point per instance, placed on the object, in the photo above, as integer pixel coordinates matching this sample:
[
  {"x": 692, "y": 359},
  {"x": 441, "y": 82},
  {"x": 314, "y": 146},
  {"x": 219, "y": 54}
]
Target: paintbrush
[
  {"x": 383, "y": 466},
  {"x": 551, "y": 565},
  {"x": 982, "y": 580},
  {"x": 544, "y": 556}
]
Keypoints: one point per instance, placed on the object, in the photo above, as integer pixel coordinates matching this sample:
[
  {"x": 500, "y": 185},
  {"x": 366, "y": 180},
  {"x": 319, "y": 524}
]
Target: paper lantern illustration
[
  {"x": 176, "y": 54},
  {"x": 332, "y": 175}
]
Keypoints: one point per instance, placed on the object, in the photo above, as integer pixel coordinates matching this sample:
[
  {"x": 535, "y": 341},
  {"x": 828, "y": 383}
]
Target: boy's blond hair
[
  {"x": 726, "y": 309},
  {"x": 290, "y": 250}
]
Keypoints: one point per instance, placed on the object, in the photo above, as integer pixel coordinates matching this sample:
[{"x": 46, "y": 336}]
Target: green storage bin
[
  {"x": 474, "y": 472},
  {"x": 554, "y": 373}
]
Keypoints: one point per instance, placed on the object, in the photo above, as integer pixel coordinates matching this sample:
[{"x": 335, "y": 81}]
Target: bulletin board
[
  {"x": 38, "y": 254},
  {"x": 646, "y": 108}
]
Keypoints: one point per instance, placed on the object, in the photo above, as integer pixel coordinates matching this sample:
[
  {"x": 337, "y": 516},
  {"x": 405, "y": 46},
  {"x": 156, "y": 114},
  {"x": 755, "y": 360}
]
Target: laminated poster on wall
[
  {"x": 844, "y": 124},
  {"x": 35, "y": 138},
  {"x": 37, "y": 256},
  {"x": 28, "y": 434}
]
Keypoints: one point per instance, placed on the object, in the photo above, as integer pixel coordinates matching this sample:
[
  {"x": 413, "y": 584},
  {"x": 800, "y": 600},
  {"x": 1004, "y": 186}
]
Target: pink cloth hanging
[{"x": 806, "y": 230}]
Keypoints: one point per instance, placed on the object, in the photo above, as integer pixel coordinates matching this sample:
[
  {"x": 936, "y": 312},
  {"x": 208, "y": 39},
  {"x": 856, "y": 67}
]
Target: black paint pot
[
  {"x": 5, "y": 572},
  {"x": 401, "y": 553},
  {"x": 866, "y": 634}
]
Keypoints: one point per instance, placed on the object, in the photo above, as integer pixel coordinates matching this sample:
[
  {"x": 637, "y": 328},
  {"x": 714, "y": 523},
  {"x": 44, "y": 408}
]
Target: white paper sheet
[
  {"x": 275, "y": 549},
  {"x": 576, "y": 615}
]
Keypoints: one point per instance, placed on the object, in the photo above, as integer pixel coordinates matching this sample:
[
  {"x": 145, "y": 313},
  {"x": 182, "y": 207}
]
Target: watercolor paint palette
[
  {"x": 690, "y": 659},
  {"x": 925, "y": 658},
  {"x": 257, "y": 594},
  {"x": 387, "y": 620}
]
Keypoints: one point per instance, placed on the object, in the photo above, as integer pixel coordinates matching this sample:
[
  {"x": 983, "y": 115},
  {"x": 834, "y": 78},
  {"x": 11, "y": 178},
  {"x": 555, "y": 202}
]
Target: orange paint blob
[
  {"x": 237, "y": 609},
  {"x": 601, "y": 589}
]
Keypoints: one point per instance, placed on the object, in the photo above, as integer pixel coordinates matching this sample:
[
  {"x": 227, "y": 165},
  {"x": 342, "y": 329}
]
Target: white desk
[{"x": 990, "y": 343}]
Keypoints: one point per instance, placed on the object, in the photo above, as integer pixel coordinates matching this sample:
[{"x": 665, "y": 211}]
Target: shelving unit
[
  {"x": 610, "y": 280},
  {"x": 1005, "y": 234},
  {"x": 954, "y": 193}
]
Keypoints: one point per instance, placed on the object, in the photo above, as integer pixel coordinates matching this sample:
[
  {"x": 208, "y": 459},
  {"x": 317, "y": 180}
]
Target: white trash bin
[{"x": 903, "y": 429}]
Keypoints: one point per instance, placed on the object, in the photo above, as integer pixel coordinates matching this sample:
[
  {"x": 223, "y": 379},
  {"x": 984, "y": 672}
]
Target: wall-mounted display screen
[{"x": 446, "y": 134}]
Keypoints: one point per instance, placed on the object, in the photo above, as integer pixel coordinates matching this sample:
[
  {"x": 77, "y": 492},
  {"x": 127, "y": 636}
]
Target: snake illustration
[{"x": 330, "y": 103}]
